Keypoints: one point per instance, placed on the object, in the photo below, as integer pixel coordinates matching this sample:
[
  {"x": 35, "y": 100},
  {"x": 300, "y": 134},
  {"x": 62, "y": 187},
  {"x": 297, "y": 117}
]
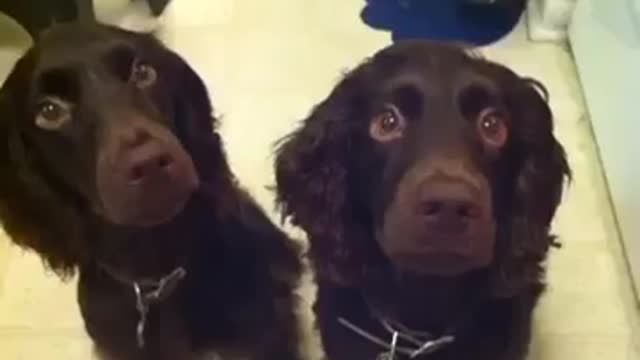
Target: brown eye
[
  {"x": 52, "y": 113},
  {"x": 492, "y": 127},
  {"x": 143, "y": 75},
  {"x": 387, "y": 125}
]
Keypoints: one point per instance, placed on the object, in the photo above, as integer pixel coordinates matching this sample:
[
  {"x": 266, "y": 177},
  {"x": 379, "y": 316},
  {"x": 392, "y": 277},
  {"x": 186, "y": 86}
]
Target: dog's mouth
[
  {"x": 439, "y": 225},
  {"x": 428, "y": 253},
  {"x": 443, "y": 264}
]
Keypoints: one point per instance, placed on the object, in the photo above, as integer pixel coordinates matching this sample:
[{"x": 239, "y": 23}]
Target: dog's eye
[
  {"x": 143, "y": 75},
  {"x": 52, "y": 114},
  {"x": 387, "y": 125},
  {"x": 492, "y": 127}
]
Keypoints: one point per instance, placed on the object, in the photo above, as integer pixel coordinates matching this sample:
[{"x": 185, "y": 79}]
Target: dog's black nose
[
  {"x": 155, "y": 163},
  {"x": 144, "y": 157},
  {"x": 449, "y": 207},
  {"x": 145, "y": 176}
]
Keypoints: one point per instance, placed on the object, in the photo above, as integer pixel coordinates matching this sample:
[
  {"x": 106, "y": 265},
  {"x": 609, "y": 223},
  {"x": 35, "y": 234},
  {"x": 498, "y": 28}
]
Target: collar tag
[
  {"x": 149, "y": 293},
  {"x": 415, "y": 346}
]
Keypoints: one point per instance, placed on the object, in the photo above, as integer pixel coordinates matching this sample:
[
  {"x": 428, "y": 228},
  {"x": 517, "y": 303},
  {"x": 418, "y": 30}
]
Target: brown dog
[
  {"x": 426, "y": 182},
  {"x": 110, "y": 165}
]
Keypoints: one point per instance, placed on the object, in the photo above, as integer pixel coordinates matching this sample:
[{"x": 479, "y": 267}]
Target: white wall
[{"x": 605, "y": 38}]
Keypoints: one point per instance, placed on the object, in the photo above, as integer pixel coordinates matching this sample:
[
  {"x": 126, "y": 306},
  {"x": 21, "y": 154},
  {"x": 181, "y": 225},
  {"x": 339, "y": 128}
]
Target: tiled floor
[{"x": 266, "y": 63}]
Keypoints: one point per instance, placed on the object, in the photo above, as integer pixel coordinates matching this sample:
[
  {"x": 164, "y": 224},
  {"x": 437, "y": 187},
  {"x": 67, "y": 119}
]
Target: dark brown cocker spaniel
[
  {"x": 426, "y": 183},
  {"x": 110, "y": 165}
]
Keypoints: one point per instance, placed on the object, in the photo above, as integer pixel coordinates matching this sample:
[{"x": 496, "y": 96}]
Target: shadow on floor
[{"x": 443, "y": 20}]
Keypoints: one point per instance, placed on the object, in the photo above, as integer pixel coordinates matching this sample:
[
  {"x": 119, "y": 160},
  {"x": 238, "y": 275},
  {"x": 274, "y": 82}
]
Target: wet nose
[
  {"x": 449, "y": 207},
  {"x": 145, "y": 158}
]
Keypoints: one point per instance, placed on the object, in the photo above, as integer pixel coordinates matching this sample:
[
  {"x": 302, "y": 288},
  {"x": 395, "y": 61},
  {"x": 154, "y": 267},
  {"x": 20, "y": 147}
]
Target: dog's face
[
  {"x": 433, "y": 153},
  {"x": 440, "y": 131},
  {"x": 103, "y": 125},
  {"x": 99, "y": 117}
]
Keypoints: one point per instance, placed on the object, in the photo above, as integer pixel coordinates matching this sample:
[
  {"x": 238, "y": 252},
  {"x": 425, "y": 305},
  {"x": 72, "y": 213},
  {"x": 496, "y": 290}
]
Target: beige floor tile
[
  {"x": 35, "y": 299},
  {"x": 201, "y": 13},
  {"x": 566, "y": 312},
  {"x": 585, "y": 347},
  {"x": 4, "y": 259},
  {"x": 16, "y": 345}
]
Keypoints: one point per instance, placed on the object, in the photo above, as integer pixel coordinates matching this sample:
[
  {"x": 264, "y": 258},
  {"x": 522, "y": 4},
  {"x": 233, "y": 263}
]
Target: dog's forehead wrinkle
[
  {"x": 409, "y": 78},
  {"x": 65, "y": 72},
  {"x": 80, "y": 52}
]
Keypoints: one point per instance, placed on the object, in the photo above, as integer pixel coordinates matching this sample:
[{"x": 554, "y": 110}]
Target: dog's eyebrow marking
[
  {"x": 61, "y": 81},
  {"x": 408, "y": 97},
  {"x": 405, "y": 80}
]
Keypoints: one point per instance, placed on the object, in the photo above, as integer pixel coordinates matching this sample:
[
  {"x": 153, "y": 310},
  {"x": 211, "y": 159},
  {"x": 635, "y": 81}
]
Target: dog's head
[
  {"x": 448, "y": 161},
  {"x": 98, "y": 123}
]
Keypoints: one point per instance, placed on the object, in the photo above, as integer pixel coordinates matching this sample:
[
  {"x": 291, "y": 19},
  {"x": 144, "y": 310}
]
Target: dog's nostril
[
  {"x": 137, "y": 173},
  {"x": 431, "y": 208},
  {"x": 449, "y": 208},
  {"x": 468, "y": 211},
  {"x": 153, "y": 166},
  {"x": 164, "y": 162}
]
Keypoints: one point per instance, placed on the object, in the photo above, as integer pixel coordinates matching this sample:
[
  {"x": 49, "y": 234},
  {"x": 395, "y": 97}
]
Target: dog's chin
[
  {"x": 445, "y": 265},
  {"x": 150, "y": 210},
  {"x": 148, "y": 216}
]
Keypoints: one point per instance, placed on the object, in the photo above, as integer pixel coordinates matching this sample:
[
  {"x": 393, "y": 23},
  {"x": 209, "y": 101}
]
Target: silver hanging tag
[
  {"x": 152, "y": 294},
  {"x": 431, "y": 346},
  {"x": 143, "y": 310},
  {"x": 391, "y": 354},
  {"x": 165, "y": 286}
]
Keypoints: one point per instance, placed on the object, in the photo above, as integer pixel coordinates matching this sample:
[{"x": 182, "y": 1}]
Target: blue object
[{"x": 444, "y": 20}]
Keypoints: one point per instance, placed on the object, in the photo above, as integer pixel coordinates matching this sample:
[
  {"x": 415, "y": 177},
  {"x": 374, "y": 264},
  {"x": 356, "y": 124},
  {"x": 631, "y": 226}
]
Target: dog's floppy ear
[
  {"x": 33, "y": 214},
  {"x": 545, "y": 167},
  {"x": 313, "y": 187},
  {"x": 539, "y": 169}
]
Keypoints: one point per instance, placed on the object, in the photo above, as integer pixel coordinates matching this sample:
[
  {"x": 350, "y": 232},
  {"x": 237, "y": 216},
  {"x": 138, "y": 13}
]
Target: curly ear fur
[
  {"x": 32, "y": 212},
  {"x": 313, "y": 180},
  {"x": 538, "y": 169}
]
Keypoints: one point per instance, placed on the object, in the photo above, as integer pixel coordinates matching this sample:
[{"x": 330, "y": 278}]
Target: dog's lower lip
[
  {"x": 443, "y": 264},
  {"x": 157, "y": 204},
  {"x": 161, "y": 220},
  {"x": 165, "y": 217},
  {"x": 168, "y": 169}
]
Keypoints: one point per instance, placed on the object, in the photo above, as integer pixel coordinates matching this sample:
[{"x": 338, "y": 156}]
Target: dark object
[
  {"x": 466, "y": 21},
  {"x": 157, "y": 6},
  {"x": 426, "y": 183},
  {"x": 36, "y": 15},
  {"x": 110, "y": 165}
]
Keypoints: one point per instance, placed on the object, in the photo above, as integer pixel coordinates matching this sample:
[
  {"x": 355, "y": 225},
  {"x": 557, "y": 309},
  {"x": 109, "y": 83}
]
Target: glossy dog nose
[
  {"x": 147, "y": 158},
  {"x": 449, "y": 208},
  {"x": 156, "y": 164},
  {"x": 144, "y": 175}
]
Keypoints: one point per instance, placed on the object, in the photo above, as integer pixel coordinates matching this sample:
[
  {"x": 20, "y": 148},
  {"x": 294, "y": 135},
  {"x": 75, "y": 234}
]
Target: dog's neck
[
  {"x": 152, "y": 253},
  {"x": 424, "y": 303}
]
